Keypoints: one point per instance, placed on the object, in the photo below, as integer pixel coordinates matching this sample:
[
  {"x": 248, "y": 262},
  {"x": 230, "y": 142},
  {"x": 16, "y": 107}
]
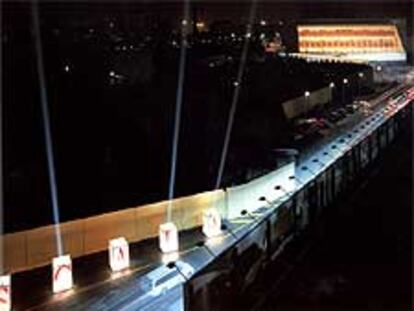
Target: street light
[
  {"x": 331, "y": 87},
  {"x": 378, "y": 69},
  {"x": 360, "y": 75},
  {"x": 307, "y": 95},
  {"x": 345, "y": 82}
]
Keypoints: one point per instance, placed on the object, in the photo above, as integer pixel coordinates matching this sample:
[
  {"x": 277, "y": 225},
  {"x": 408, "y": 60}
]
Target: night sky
[{"x": 111, "y": 80}]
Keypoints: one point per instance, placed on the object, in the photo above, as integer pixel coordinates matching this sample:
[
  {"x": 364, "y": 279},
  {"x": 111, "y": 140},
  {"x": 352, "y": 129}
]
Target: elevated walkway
[{"x": 252, "y": 234}]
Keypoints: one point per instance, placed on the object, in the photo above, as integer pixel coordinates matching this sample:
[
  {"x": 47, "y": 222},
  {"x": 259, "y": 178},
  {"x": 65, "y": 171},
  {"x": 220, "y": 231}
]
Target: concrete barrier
[
  {"x": 33, "y": 248},
  {"x": 246, "y": 196},
  {"x": 302, "y": 104}
]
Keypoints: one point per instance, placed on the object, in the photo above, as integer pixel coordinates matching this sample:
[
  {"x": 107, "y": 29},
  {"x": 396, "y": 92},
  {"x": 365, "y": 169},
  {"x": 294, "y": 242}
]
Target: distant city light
[
  {"x": 236, "y": 83},
  {"x": 112, "y": 73},
  {"x": 66, "y": 68},
  {"x": 307, "y": 94},
  {"x": 262, "y": 36},
  {"x": 331, "y": 85},
  {"x": 345, "y": 81},
  {"x": 248, "y": 35},
  {"x": 379, "y": 68},
  {"x": 263, "y": 22},
  {"x": 233, "y": 35},
  {"x": 184, "y": 22},
  {"x": 361, "y": 74},
  {"x": 111, "y": 25},
  {"x": 200, "y": 25}
]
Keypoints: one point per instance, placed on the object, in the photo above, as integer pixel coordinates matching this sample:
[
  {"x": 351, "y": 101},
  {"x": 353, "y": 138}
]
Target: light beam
[
  {"x": 236, "y": 94},
  {"x": 178, "y": 104},
  {"x": 46, "y": 128}
]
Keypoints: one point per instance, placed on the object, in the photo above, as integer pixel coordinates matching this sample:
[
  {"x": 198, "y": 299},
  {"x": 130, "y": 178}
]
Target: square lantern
[
  {"x": 211, "y": 222},
  {"x": 118, "y": 254},
  {"x": 168, "y": 237},
  {"x": 5, "y": 293},
  {"x": 62, "y": 273}
]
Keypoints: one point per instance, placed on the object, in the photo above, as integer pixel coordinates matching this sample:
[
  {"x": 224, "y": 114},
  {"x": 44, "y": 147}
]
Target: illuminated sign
[
  {"x": 168, "y": 237},
  {"x": 5, "y": 293},
  {"x": 62, "y": 273},
  {"x": 350, "y": 39},
  {"x": 211, "y": 222},
  {"x": 118, "y": 254}
]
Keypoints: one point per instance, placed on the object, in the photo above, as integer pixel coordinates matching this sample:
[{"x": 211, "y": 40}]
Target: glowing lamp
[
  {"x": 211, "y": 223},
  {"x": 168, "y": 237},
  {"x": 62, "y": 273},
  {"x": 118, "y": 254},
  {"x": 5, "y": 293},
  {"x": 200, "y": 25}
]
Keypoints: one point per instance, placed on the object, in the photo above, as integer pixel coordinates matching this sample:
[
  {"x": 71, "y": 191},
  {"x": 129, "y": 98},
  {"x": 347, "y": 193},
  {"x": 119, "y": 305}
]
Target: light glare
[
  {"x": 118, "y": 254},
  {"x": 5, "y": 293},
  {"x": 168, "y": 237},
  {"x": 211, "y": 223},
  {"x": 62, "y": 273}
]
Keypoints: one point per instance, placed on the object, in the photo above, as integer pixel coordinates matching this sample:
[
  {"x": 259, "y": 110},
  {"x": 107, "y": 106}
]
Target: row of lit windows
[
  {"x": 347, "y": 32},
  {"x": 359, "y": 43}
]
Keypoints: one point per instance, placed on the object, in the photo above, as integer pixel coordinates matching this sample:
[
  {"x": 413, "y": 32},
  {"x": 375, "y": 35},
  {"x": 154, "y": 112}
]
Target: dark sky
[{"x": 92, "y": 124}]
